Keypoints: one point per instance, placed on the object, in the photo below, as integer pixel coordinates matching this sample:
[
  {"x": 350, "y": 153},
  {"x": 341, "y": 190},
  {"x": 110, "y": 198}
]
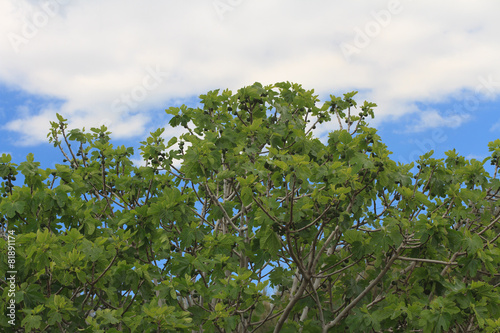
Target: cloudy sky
[{"x": 433, "y": 68}]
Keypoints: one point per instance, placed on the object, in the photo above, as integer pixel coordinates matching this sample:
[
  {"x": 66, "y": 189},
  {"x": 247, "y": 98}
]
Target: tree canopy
[{"x": 247, "y": 222}]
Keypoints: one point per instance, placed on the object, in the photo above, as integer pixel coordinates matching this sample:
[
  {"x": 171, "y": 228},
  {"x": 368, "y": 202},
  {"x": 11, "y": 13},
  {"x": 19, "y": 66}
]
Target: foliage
[{"x": 248, "y": 223}]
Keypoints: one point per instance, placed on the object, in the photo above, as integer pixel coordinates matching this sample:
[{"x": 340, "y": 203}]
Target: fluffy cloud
[
  {"x": 432, "y": 119},
  {"x": 99, "y": 58}
]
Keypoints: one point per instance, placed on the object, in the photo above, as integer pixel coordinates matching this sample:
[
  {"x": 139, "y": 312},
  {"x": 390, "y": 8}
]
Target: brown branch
[
  {"x": 351, "y": 305},
  {"x": 431, "y": 261},
  {"x": 106, "y": 269}
]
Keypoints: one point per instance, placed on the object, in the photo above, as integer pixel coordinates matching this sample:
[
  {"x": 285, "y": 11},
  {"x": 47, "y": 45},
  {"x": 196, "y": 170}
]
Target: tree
[{"x": 248, "y": 223}]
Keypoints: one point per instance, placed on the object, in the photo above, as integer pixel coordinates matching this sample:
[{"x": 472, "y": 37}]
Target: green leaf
[
  {"x": 282, "y": 165},
  {"x": 54, "y": 317},
  {"x": 60, "y": 118},
  {"x": 172, "y": 142},
  {"x": 6, "y": 158},
  {"x": 219, "y": 307},
  {"x": 246, "y": 195},
  {"x": 90, "y": 224},
  {"x": 473, "y": 243},
  {"x": 31, "y": 322},
  {"x": 345, "y": 137},
  {"x": 11, "y": 208},
  {"x": 107, "y": 316},
  {"x": 231, "y": 323},
  {"x": 352, "y": 236},
  {"x": 33, "y": 295},
  {"x": 173, "y": 294},
  {"x": 271, "y": 242},
  {"x": 226, "y": 174}
]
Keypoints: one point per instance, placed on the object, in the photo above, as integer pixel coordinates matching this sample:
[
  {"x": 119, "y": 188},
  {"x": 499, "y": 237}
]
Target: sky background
[{"x": 433, "y": 68}]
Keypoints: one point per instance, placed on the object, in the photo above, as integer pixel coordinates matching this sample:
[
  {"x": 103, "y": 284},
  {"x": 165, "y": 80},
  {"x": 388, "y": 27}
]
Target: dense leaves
[{"x": 249, "y": 223}]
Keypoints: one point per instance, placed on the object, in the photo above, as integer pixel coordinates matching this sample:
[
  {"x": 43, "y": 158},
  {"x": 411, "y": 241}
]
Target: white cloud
[
  {"x": 138, "y": 162},
  {"x": 476, "y": 157},
  {"x": 432, "y": 119},
  {"x": 33, "y": 129},
  {"x": 90, "y": 53}
]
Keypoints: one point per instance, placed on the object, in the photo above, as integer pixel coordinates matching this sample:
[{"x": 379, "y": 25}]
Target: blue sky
[{"x": 432, "y": 68}]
